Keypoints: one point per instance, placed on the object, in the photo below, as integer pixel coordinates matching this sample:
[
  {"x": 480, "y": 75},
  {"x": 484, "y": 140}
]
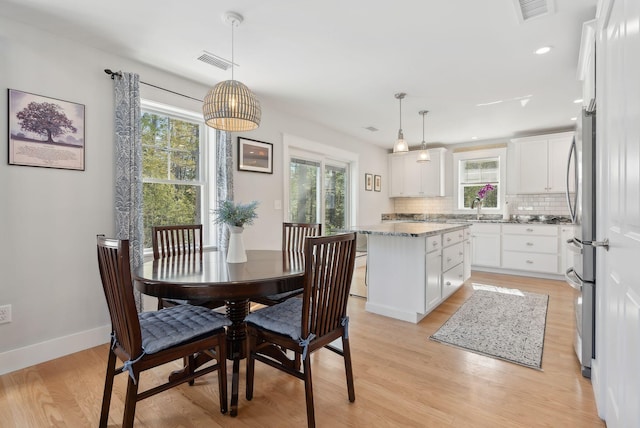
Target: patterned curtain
[
  {"x": 224, "y": 178},
  {"x": 128, "y": 180}
]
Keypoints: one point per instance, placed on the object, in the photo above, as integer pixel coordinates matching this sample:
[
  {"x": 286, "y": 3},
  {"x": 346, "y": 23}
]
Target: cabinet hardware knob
[
  {"x": 448, "y": 239},
  {"x": 448, "y": 283},
  {"x": 529, "y": 229},
  {"x": 461, "y": 253},
  {"x": 530, "y": 244},
  {"x": 448, "y": 259},
  {"x": 530, "y": 262}
]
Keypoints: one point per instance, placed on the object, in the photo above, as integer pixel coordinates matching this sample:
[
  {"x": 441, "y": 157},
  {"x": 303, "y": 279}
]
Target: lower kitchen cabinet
[
  {"x": 452, "y": 262},
  {"x": 433, "y": 292},
  {"x": 485, "y": 244}
]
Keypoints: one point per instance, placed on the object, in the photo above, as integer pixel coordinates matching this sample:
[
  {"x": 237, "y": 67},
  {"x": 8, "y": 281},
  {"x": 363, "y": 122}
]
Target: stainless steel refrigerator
[{"x": 582, "y": 275}]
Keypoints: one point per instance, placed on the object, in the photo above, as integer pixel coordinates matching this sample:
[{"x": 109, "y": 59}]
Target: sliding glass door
[{"x": 318, "y": 189}]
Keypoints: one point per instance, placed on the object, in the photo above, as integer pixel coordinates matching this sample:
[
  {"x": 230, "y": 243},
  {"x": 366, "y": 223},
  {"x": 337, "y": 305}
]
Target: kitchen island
[{"x": 413, "y": 267}]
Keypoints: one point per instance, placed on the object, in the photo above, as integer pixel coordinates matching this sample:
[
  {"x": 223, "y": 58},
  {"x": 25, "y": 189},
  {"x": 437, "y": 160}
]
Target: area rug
[{"x": 503, "y": 323}]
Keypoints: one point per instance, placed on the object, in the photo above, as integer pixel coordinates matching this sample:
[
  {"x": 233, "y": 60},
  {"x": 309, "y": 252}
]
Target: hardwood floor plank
[{"x": 401, "y": 379}]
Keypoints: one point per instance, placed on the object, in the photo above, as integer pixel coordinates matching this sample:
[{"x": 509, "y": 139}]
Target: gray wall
[{"x": 49, "y": 217}]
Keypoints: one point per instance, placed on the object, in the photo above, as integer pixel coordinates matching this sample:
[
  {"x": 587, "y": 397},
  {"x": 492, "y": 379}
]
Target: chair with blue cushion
[
  {"x": 294, "y": 236},
  {"x": 150, "y": 339},
  {"x": 310, "y": 323},
  {"x": 180, "y": 241}
]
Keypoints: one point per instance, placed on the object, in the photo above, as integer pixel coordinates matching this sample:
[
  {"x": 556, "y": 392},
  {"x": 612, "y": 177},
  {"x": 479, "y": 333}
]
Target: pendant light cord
[
  {"x": 233, "y": 24},
  {"x": 400, "y": 99}
]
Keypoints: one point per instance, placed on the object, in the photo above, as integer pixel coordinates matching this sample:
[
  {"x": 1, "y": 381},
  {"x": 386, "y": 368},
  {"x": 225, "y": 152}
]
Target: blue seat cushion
[
  {"x": 175, "y": 325},
  {"x": 285, "y": 295},
  {"x": 284, "y": 318}
]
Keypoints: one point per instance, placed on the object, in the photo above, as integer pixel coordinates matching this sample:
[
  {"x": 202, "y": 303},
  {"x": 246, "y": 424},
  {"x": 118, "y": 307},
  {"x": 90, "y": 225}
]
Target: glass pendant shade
[
  {"x": 424, "y": 155},
  {"x": 231, "y": 106},
  {"x": 400, "y": 146}
]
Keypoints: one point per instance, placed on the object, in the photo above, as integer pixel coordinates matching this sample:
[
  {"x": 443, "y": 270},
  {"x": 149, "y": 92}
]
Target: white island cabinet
[{"x": 407, "y": 265}]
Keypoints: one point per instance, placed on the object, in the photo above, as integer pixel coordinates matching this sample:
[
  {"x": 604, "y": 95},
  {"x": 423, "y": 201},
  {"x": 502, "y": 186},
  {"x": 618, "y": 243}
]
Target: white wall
[{"x": 49, "y": 217}]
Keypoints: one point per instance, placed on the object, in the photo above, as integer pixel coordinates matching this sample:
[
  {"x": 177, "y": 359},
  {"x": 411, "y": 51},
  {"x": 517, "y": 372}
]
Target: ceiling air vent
[
  {"x": 215, "y": 60},
  {"x": 371, "y": 128},
  {"x": 529, "y": 9}
]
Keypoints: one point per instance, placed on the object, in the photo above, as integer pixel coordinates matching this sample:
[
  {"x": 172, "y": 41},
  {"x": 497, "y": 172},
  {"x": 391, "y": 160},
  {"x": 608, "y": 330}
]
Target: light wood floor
[{"x": 402, "y": 379}]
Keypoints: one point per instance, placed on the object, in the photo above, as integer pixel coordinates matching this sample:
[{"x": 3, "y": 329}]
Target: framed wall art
[
  {"x": 45, "y": 132},
  {"x": 256, "y": 156},
  {"x": 368, "y": 181},
  {"x": 377, "y": 183}
]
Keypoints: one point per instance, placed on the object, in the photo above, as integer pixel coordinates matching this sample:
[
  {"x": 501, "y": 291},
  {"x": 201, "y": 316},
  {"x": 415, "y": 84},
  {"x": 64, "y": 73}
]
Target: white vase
[{"x": 236, "y": 252}]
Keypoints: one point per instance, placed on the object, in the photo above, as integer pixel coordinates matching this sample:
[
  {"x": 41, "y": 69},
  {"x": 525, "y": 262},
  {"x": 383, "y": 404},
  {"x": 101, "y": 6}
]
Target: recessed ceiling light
[
  {"x": 543, "y": 50},
  {"x": 578, "y": 101},
  {"x": 574, "y": 118},
  {"x": 474, "y": 138}
]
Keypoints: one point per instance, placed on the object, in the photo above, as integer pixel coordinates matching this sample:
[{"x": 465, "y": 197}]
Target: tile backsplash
[{"x": 533, "y": 204}]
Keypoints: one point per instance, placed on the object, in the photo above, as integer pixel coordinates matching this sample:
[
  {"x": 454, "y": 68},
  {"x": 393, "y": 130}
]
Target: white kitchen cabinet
[
  {"x": 452, "y": 262},
  {"x": 433, "y": 292},
  {"x": 530, "y": 247},
  {"x": 540, "y": 163},
  {"x": 485, "y": 244},
  {"x": 467, "y": 254},
  {"x": 412, "y": 179}
]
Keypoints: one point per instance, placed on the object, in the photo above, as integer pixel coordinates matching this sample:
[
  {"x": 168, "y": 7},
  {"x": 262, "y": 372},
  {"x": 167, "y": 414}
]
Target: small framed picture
[
  {"x": 377, "y": 183},
  {"x": 255, "y": 156},
  {"x": 368, "y": 182},
  {"x": 45, "y": 132}
]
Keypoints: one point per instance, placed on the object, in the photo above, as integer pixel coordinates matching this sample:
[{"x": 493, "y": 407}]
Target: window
[
  {"x": 319, "y": 185},
  {"x": 472, "y": 171},
  {"x": 474, "y": 175},
  {"x": 175, "y": 178}
]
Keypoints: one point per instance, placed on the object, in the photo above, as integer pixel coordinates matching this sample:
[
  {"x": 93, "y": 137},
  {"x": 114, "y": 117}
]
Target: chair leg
[
  {"x": 130, "y": 401},
  {"x": 221, "y": 356},
  {"x": 346, "y": 352},
  {"x": 190, "y": 365},
  {"x": 108, "y": 388},
  {"x": 251, "y": 363},
  {"x": 308, "y": 390}
]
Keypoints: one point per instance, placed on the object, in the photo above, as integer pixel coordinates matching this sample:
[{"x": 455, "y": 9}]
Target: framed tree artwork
[
  {"x": 45, "y": 132},
  {"x": 377, "y": 183}
]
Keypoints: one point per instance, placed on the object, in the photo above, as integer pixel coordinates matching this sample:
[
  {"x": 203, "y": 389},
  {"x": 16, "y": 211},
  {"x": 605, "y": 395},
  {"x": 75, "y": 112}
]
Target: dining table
[{"x": 210, "y": 276}]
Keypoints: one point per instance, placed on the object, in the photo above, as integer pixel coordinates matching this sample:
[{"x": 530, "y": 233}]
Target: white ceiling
[{"x": 340, "y": 62}]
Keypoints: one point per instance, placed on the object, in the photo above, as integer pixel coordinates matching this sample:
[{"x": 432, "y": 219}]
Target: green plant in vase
[{"x": 236, "y": 216}]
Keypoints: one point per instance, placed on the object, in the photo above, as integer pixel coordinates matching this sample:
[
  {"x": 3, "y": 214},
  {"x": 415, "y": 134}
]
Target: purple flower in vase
[{"x": 483, "y": 192}]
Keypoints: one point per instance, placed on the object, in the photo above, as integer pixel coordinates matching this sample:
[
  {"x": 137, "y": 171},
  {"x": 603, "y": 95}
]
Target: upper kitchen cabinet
[
  {"x": 410, "y": 179},
  {"x": 540, "y": 162},
  {"x": 587, "y": 64}
]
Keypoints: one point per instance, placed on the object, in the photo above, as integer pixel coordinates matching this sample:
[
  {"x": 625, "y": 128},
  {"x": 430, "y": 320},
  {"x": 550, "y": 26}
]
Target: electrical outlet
[{"x": 5, "y": 314}]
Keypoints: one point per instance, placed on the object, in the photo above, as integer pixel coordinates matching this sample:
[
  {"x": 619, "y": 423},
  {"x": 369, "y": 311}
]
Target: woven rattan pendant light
[{"x": 230, "y": 105}]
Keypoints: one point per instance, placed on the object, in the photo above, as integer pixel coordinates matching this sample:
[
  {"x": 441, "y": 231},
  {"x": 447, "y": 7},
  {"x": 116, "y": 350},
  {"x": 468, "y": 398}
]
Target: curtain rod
[{"x": 119, "y": 74}]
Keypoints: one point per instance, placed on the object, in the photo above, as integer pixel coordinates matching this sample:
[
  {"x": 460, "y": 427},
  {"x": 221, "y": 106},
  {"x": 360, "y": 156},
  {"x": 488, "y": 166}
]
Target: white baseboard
[{"x": 27, "y": 356}]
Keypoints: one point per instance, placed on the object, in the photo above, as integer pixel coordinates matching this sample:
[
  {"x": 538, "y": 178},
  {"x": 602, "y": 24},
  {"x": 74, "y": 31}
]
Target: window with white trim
[
  {"x": 473, "y": 171},
  {"x": 176, "y": 181}
]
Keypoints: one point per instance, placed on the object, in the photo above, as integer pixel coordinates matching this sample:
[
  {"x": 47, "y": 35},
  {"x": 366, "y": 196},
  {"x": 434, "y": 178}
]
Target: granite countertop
[
  {"x": 411, "y": 229},
  {"x": 466, "y": 219}
]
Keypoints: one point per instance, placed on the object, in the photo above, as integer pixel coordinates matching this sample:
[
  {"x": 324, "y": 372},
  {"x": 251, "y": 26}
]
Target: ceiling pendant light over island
[
  {"x": 400, "y": 145},
  {"x": 230, "y": 105},
  {"x": 424, "y": 155}
]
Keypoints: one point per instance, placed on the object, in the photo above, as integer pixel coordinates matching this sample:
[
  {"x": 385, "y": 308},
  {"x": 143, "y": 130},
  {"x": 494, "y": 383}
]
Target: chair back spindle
[
  {"x": 294, "y": 235},
  {"x": 177, "y": 240},
  {"x": 329, "y": 263},
  {"x": 115, "y": 272}
]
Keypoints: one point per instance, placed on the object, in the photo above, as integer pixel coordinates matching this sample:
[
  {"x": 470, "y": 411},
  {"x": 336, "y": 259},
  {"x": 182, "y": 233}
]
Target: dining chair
[
  {"x": 180, "y": 240},
  {"x": 150, "y": 339},
  {"x": 308, "y": 324},
  {"x": 294, "y": 236}
]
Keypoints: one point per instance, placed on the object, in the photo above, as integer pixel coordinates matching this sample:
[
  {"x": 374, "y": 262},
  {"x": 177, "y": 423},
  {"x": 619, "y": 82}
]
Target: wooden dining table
[{"x": 209, "y": 276}]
